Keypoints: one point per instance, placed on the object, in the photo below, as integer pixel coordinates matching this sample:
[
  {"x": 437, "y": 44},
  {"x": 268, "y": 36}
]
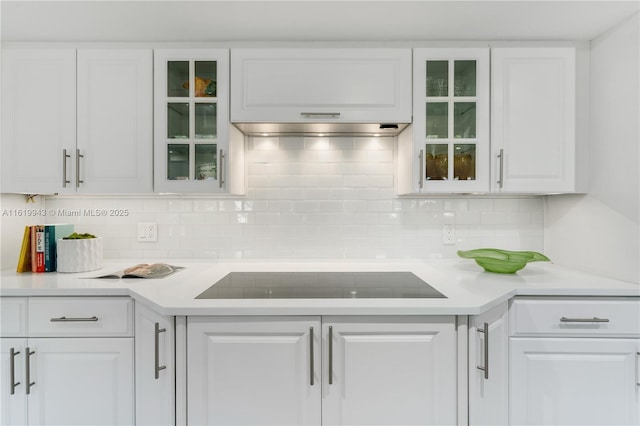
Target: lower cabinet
[
  {"x": 321, "y": 370},
  {"x": 489, "y": 367},
  {"x": 574, "y": 381},
  {"x": 67, "y": 381},
  {"x": 73, "y": 363},
  {"x": 574, "y": 361},
  {"x": 13, "y": 398},
  {"x": 155, "y": 368}
]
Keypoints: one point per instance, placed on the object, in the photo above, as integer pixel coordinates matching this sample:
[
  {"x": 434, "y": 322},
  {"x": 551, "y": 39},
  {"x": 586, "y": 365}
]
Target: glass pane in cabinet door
[
  {"x": 464, "y": 161},
  {"x": 178, "y": 162},
  {"x": 437, "y": 120},
  {"x": 178, "y": 79},
  {"x": 437, "y": 161},
  {"x": 206, "y": 165},
  {"x": 177, "y": 120},
  {"x": 464, "y": 78},
  {"x": 437, "y": 78},
  {"x": 464, "y": 120},
  {"x": 205, "y": 84},
  {"x": 206, "y": 121}
]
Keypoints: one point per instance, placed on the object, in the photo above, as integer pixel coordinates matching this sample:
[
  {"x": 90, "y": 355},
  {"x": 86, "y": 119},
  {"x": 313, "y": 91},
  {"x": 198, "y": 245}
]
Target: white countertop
[{"x": 469, "y": 290}]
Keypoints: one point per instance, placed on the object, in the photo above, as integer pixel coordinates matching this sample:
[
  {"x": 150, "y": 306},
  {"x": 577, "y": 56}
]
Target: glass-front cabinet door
[
  {"x": 191, "y": 116},
  {"x": 451, "y": 120}
]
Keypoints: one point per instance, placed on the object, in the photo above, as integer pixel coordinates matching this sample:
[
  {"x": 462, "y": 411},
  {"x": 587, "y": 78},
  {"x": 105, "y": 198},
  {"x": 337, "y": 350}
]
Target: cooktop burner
[{"x": 320, "y": 285}]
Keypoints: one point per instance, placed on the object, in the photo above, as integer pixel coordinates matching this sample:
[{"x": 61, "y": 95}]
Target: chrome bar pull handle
[
  {"x": 64, "y": 168},
  {"x": 330, "y": 355},
  {"x": 28, "y": 354},
  {"x": 65, "y": 319},
  {"x": 12, "y": 370},
  {"x": 594, "y": 319},
  {"x": 78, "y": 157},
  {"x": 157, "y": 365},
  {"x": 421, "y": 167},
  {"x": 637, "y": 368},
  {"x": 221, "y": 169},
  {"x": 311, "y": 366},
  {"x": 320, "y": 114},
  {"x": 485, "y": 368},
  {"x": 501, "y": 169}
]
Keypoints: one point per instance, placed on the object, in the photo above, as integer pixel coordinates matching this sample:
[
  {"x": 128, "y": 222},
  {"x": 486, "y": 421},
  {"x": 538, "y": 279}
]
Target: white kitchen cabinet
[
  {"x": 447, "y": 147},
  {"x": 73, "y": 379},
  {"x": 38, "y": 119},
  {"x": 325, "y": 85},
  {"x": 115, "y": 121},
  {"x": 574, "y": 381},
  {"x": 81, "y": 381},
  {"x": 155, "y": 368},
  {"x": 373, "y": 370},
  {"x": 65, "y": 135},
  {"x": 12, "y": 388},
  {"x": 389, "y": 370},
  {"x": 196, "y": 151},
  {"x": 260, "y": 371},
  {"x": 535, "y": 98},
  {"x": 489, "y": 367},
  {"x": 580, "y": 369}
]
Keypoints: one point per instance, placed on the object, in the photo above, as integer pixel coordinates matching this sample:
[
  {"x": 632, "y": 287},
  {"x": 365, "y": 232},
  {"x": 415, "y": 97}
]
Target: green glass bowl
[{"x": 502, "y": 261}]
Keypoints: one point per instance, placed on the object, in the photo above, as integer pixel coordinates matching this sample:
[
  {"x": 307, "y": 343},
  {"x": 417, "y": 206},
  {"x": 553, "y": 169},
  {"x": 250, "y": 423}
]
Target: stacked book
[{"x": 38, "y": 250}]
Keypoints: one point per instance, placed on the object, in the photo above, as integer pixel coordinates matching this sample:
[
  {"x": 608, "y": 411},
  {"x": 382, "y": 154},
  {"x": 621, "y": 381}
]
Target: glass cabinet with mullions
[
  {"x": 451, "y": 119},
  {"x": 191, "y": 120}
]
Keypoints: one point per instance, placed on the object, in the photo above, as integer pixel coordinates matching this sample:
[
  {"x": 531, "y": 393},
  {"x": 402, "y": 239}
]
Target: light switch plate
[
  {"x": 147, "y": 231},
  {"x": 448, "y": 234}
]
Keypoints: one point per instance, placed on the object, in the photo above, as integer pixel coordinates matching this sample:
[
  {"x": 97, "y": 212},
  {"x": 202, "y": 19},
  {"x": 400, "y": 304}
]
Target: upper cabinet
[
  {"x": 115, "y": 121},
  {"x": 196, "y": 151},
  {"x": 447, "y": 147},
  {"x": 321, "y": 85},
  {"x": 523, "y": 133},
  {"x": 77, "y": 121},
  {"x": 38, "y": 120},
  {"x": 535, "y": 142}
]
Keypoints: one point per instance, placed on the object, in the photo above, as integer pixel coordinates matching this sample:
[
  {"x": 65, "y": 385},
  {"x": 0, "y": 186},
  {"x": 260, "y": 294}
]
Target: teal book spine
[{"x": 52, "y": 234}]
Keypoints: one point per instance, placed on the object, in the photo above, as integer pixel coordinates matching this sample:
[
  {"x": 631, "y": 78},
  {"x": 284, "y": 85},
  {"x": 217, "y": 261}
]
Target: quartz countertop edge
[{"x": 469, "y": 290}]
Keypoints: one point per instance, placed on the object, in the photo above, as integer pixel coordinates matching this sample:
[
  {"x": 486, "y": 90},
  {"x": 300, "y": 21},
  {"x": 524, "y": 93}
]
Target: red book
[{"x": 37, "y": 248}]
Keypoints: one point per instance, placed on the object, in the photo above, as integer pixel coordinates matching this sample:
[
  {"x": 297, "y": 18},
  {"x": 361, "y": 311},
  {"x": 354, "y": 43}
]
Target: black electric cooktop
[{"x": 320, "y": 285}]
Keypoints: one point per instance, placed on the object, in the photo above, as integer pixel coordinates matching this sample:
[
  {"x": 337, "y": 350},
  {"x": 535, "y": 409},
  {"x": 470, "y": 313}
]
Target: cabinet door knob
[
  {"x": 28, "y": 354},
  {"x": 64, "y": 168},
  {"x": 330, "y": 355},
  {"x": 501, "y": 169},
  {"x": 65, "y": 319},
  {"x": 157, "y": 366},
  {"x": 221, "y": 169},
  {"x": 421, "y": 167},
  {"x": 485, "y": 368},
  {"x": 320, "y": 114},
  {"x": 12, "y": 370},
  {"x": 78, "y": 157},
  {"x": 594, "y": 319},
  {"x": 311, "y": 366}
]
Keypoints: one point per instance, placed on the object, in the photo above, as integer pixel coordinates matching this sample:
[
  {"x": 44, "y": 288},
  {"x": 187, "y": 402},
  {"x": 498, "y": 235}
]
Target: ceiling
[{"x": 323, "y": 21}]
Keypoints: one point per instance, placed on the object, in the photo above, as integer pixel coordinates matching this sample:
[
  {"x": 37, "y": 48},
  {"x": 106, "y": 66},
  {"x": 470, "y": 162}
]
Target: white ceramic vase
[{"x": 79, "y": 255}]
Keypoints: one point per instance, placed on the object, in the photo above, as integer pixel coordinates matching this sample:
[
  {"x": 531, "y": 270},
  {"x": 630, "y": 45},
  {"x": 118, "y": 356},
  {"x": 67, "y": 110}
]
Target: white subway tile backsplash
[{"x": 311, "y": 198}]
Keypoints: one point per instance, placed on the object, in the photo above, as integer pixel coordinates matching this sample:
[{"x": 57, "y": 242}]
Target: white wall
[
  {"x": 599, "y": 232},
  {"x": 310, "y": 198}
]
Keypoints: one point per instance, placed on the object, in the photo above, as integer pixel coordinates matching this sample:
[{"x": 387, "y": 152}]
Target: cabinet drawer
[
  {"x": 80, "y": 316},
  {"x": 13, "y": 316},
  {"x": 575, "y": 317}
]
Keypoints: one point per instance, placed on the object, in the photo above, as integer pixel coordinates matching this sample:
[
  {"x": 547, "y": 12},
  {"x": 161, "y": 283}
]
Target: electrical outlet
[
  {"x": 147, "y": 231},
  {"x": 448, "y": 234}
]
